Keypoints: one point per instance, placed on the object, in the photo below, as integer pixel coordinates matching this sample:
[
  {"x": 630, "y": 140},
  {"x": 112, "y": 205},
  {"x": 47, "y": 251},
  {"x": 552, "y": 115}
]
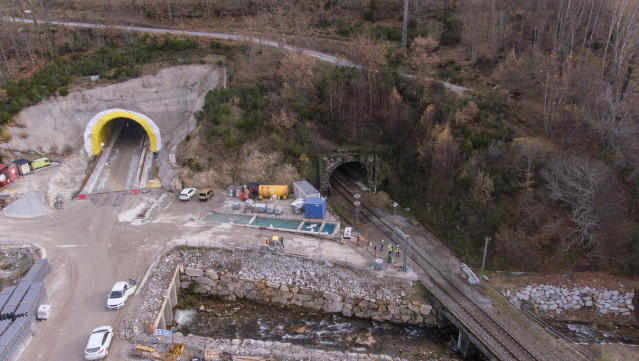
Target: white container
[
  {"x": 348, "y": 232},
  {"x": 43, "y": 312}
]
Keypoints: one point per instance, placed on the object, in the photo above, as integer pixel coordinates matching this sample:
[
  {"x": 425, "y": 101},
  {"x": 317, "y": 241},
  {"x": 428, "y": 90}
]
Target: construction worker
[
  {"x": 381, "y": 245},
  {"x": 390, "y": 249},
  {"x": 397, "y": 250}
]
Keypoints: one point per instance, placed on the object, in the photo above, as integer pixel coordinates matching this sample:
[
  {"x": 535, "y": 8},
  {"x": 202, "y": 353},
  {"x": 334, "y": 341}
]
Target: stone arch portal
[
  {"x": 100, "y": 127},
  {"x": 370, "y": 160}
]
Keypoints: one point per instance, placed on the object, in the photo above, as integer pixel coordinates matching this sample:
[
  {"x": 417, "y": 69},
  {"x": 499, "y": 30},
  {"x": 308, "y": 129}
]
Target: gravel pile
[
  {"x": 557, "y": 299},
  {"x": 30, "y": 205}
]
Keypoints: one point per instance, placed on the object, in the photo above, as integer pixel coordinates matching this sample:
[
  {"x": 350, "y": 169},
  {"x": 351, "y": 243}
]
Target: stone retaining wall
[
  {"x": 553, "y": 298},
  {"x": 210, "y": 282}
]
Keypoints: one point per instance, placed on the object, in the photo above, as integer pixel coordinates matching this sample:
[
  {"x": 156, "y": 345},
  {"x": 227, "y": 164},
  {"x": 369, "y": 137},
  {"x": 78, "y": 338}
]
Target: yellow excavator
[{"x": 272, "y": 244}]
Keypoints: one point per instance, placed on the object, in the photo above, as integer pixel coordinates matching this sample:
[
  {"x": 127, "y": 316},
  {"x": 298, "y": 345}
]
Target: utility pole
[
  {"x": 483, "y": 261},
  {"x": 406, "y": 239},
  {"x": 356, "y": 204},
  {"x": 405, "y": 27}
]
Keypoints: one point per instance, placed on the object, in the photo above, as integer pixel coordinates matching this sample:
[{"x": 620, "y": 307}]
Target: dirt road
[{"x": 89, "y": 250}]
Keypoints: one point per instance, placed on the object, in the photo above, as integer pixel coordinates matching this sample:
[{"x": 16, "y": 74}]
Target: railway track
[{"x": 508, "y": 340}]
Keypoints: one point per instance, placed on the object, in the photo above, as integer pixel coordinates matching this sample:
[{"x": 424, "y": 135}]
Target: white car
[
  {"x": 119, "y": 293},
  {"x": 187, "y": 194},
  {"x": 99, "y": 343}
]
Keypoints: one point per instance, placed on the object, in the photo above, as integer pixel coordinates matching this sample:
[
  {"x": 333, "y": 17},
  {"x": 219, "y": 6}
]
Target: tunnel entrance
[
  {"x": 102, "y": 125},
  {"x": 123, "y": 154}
]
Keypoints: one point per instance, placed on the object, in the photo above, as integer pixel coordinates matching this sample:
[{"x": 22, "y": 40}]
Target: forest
[{"x": 540, "y": 154}]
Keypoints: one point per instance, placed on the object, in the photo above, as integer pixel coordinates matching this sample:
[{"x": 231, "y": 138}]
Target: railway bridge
[{"x": 486, "y": 320}]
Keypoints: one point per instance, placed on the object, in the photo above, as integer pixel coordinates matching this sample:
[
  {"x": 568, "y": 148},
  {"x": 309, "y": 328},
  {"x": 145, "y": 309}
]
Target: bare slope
[{"x": 57, "y": 125}]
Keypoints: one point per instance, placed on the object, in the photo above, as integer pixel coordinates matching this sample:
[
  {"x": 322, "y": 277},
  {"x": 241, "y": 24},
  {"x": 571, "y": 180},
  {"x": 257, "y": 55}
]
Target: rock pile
[
  {"x": 554, "y": 298},
  {"x": 471, "y": 276},
  {"x": 210, "y": 282},
  {"x": 158, "y": 206},
  {"x": 304, "y": 273}
]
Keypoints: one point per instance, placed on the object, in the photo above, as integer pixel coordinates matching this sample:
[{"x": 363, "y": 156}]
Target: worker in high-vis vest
[
  {"x": 397, "y": 250},
  {"x": 390, "y": 249}
]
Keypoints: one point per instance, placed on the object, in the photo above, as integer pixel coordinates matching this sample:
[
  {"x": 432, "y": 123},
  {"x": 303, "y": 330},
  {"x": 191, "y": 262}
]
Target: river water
[{"x": 244, "y": 319}]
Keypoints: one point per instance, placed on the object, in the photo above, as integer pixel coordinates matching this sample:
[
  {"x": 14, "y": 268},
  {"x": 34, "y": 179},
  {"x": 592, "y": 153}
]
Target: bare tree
[
  {"x": 529, "y": 154},
  {"x": 296, "y": 72},
  {"x": 591, "y": 191},
  {"x": 423, "y": 57},
  {"x": 623, "y": 36},
  {"x": 617, "y": 124},
  {"x": 473, "y": 33},
  {"x": 553, "y": 86},
  {"x": 483, "y": 187}
]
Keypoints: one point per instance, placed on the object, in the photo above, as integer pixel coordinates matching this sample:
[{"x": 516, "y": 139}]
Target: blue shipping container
[{"x": 315, "y": 208}]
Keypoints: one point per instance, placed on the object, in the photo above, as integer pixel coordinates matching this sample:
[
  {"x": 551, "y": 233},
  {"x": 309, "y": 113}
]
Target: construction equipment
[
  {"x": 272, "y": 244},
  {"x": 142, "y": 352},
  {"x": 173, "y": 352}
]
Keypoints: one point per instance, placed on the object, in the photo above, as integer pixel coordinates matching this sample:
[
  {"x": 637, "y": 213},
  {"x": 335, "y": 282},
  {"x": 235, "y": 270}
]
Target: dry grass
[{"x": 5, "y": 135}]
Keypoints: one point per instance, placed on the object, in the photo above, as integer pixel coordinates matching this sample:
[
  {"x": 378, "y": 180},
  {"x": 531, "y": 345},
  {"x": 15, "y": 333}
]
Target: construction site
[{"x": 112, "y": 203}]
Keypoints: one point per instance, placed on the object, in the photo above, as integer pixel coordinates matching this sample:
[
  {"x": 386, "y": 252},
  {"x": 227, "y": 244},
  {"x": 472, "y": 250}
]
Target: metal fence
[{"x": 19, "y": 306}]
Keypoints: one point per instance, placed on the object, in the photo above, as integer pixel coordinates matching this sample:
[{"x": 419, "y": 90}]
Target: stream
[
  {"x": 331, "y": 332},
  {"x": 585, "y": 333}
]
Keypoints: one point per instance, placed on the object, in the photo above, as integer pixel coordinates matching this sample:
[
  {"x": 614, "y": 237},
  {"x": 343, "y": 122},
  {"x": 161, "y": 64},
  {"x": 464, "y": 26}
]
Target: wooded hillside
[{"x": 541, "y": 153}]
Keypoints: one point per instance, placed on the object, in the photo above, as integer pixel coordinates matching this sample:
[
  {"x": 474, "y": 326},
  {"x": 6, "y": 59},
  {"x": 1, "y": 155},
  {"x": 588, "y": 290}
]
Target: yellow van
[{"x": 205, "y": 194}]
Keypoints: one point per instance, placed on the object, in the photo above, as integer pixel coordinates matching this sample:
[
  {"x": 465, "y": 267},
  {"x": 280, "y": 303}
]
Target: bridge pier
[{"x": 465, "y": 345}]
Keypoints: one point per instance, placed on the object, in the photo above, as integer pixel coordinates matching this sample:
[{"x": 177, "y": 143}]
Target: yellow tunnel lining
[{"x": 102, "y": 129}]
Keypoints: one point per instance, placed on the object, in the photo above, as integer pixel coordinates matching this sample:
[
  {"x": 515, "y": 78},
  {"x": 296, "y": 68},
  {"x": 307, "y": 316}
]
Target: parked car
[
  {"x": 119, "y": 294},
  {"x": 205, "y": 194},
  {"x": 99, "y": 343},
  {"x": 187, "y": 194}
]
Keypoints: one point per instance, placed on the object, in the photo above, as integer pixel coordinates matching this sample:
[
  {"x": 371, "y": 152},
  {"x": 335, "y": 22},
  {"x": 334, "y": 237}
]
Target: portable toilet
[{"x": 315, "y": 208}]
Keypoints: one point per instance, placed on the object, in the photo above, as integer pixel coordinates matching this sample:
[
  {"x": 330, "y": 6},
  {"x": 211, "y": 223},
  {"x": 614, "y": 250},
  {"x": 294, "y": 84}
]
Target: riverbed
[{"x": 331, "y": 332}]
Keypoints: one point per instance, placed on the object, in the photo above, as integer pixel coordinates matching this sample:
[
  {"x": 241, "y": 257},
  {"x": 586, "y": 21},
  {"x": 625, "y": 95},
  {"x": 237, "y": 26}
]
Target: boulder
[
  {"x": 300, "y": 330},
  {"x": 193, "y": 272},
  {"x": 204, "y": 280},
  {"x": 211, "y": 274},
  {"x": 333, "y": 307},
  {"x": 365, "y": 339}
]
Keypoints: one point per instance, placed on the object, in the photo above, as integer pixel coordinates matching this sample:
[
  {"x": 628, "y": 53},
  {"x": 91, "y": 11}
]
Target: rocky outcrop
[
  {"x": 558, "y": 299},
  {"x": 229, "y": 287}
]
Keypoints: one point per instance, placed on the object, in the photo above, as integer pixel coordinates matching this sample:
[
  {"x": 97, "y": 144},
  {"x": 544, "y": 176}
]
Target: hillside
[{"x": 540, "y": 155}]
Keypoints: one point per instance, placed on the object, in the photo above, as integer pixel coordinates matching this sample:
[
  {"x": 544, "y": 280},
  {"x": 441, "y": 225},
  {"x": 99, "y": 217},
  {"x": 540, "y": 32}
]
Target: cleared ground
[{"x": 90, "y": 250}]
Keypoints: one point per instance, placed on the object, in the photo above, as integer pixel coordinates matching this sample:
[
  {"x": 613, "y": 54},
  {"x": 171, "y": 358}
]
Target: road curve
[{"x": 458, "y": 89}]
